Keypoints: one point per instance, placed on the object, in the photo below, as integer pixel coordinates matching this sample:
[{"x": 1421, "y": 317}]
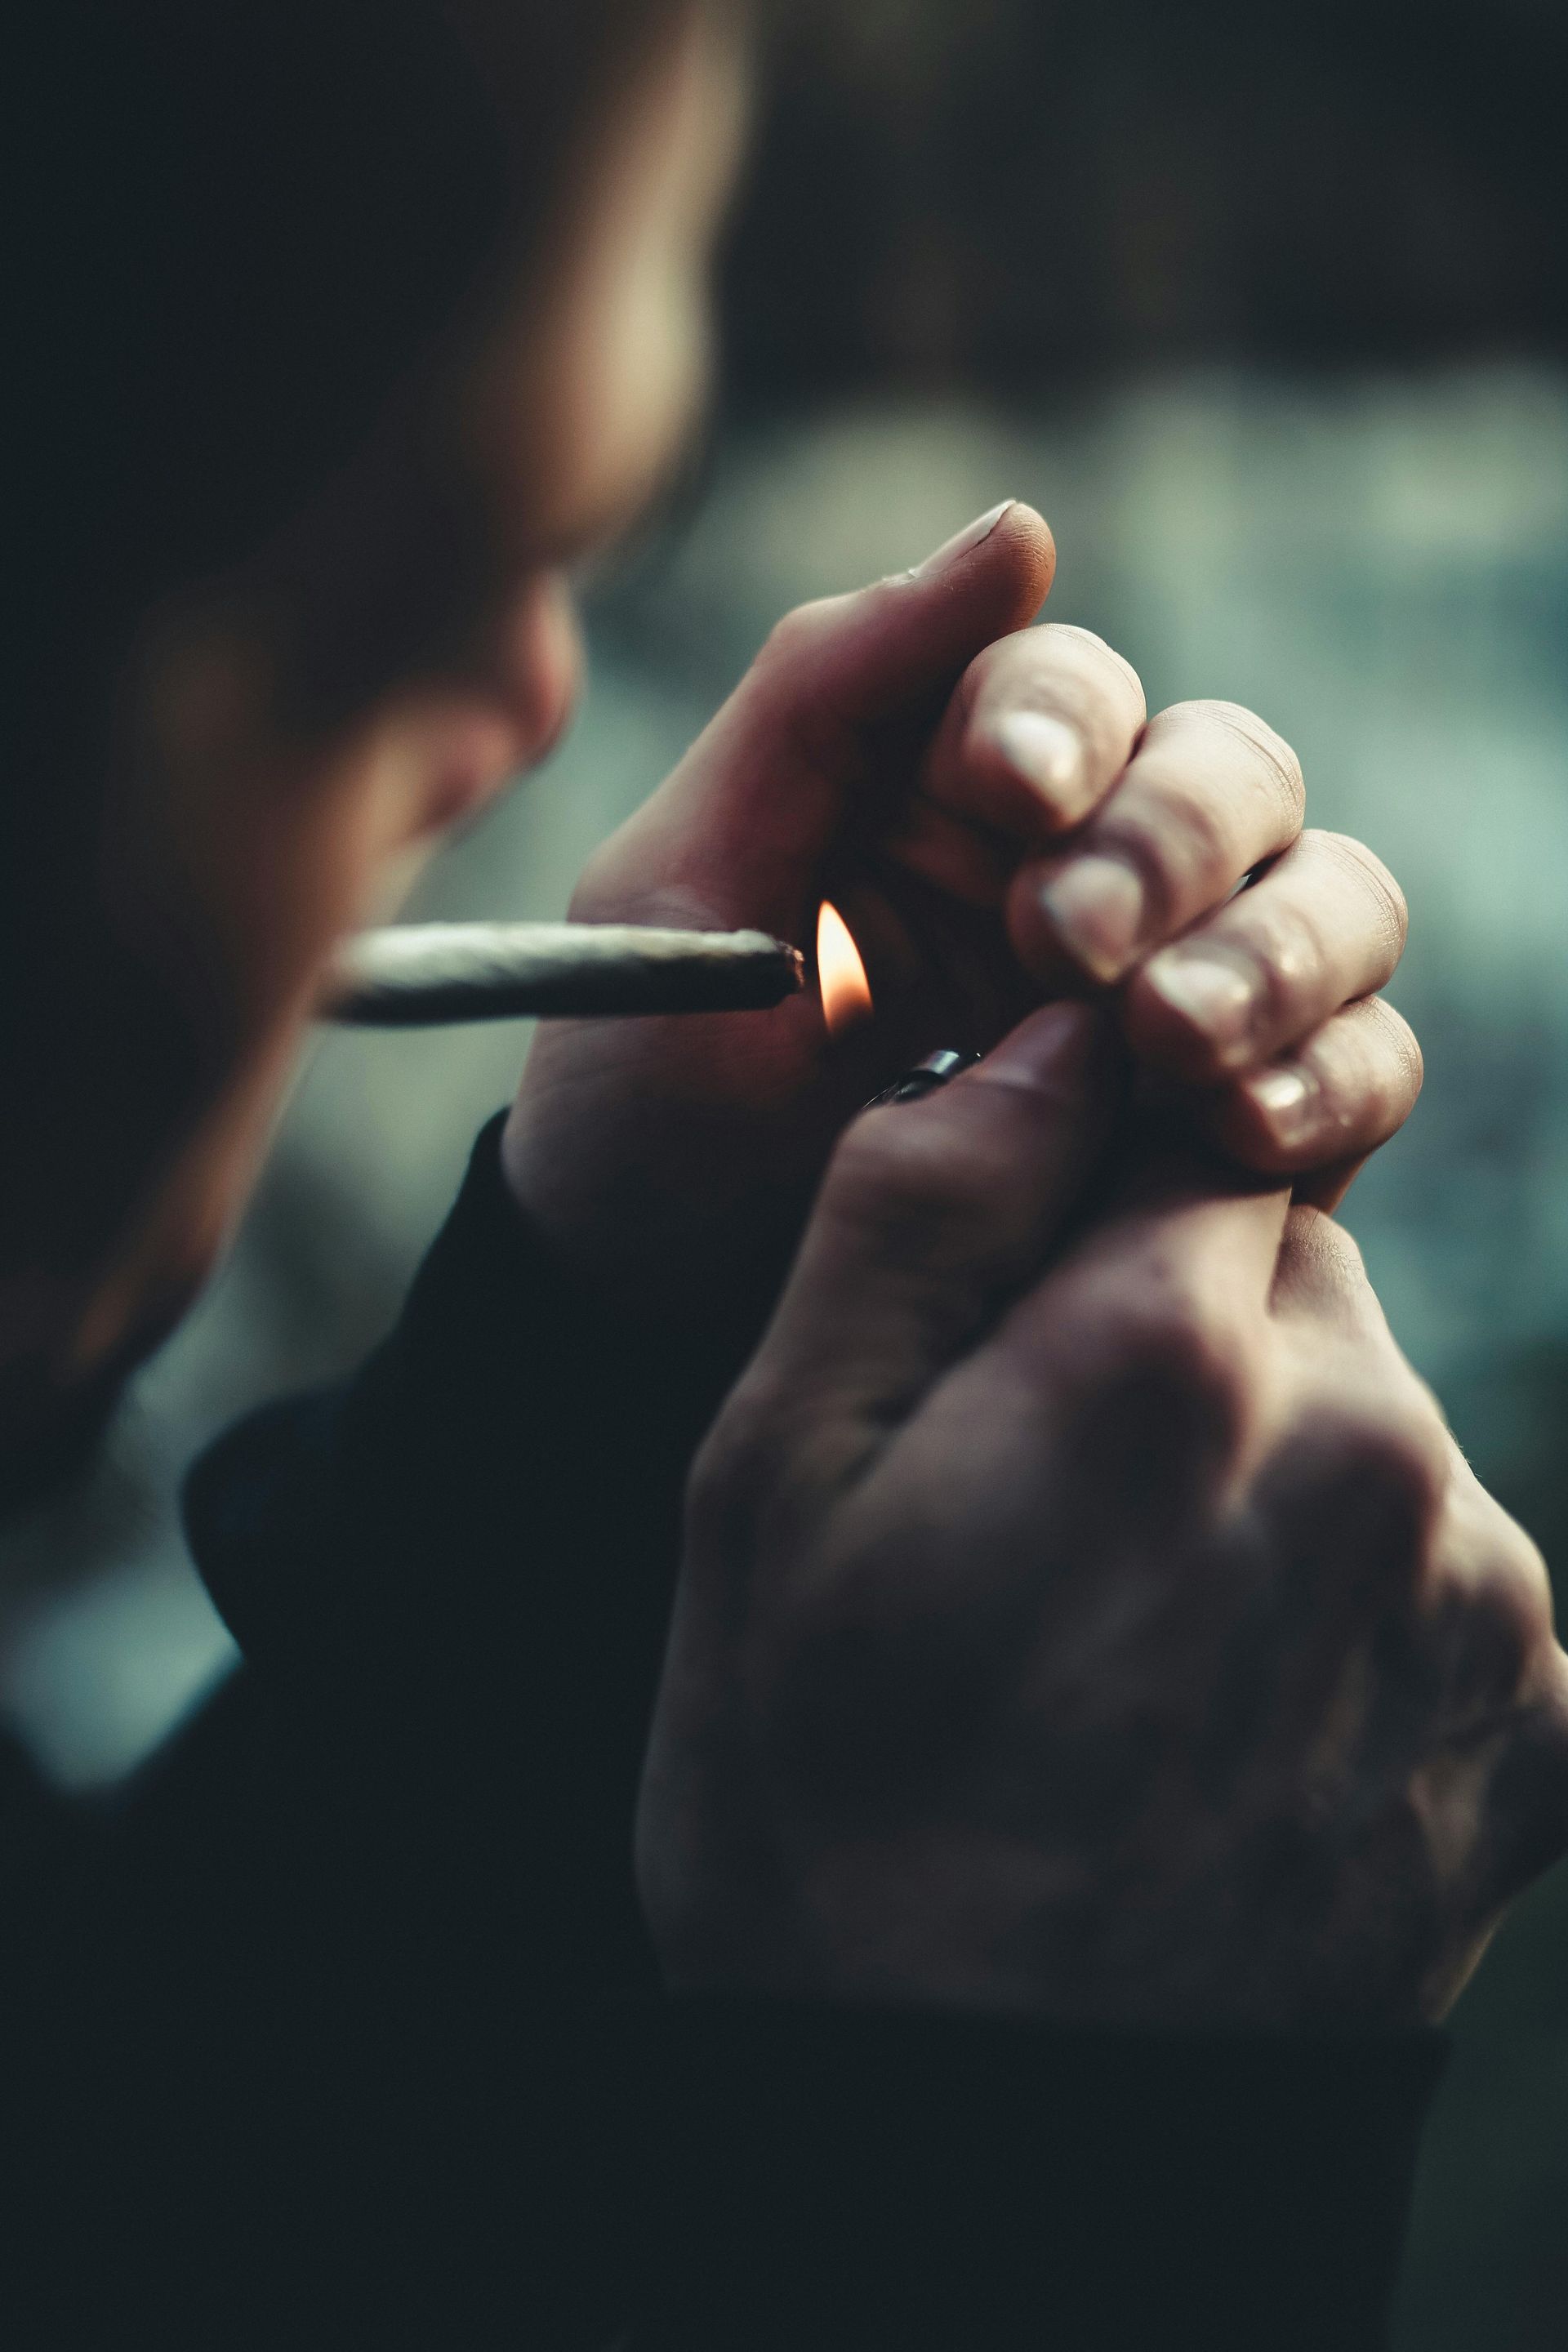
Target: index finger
[{"x": 1040, "y": 725}]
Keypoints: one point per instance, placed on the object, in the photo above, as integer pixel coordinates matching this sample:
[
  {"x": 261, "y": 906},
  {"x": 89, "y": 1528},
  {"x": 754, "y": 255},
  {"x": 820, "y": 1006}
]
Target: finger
[
  {"x": 1041, "y": 726},
  {"x": 1324, "y": 925},
  {"x": 1187, "y": 1254},
  {"x": 934, "y": 1213},
  {"x": 1352, "y": 1500},
  {"x": 1324, "y": 1302},
  {"x": 1151, "y": 1341},
  {"x": 1320, "y": 1278},
  {"x": 742, "y": 829},
  {"x": 1337, "y": 1096},
  {"x": 1503, "y": 1680},
  {"x": 1209, "y": 793}
]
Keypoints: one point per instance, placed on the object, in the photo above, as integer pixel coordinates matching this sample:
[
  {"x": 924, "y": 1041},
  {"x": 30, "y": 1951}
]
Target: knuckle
[
  {"x": 909, "y": 1188},
  {"x": 799, "y": 632},
  {"x": 1279, "y": 765},
  {"x": 1100, "y": 651},
  {"x": 1410, "y": 1457},
  {"x": 1549, "y": 1730},
  {"x": 997, "y": 669},
  {"x": 1522, "y": 1589},
  {"x": 1182, "y": 1359},
  {"x": 1182, "y": 850},
  {"x": 1484, "y": 1630},
  {"x": 1523, "y": 1562},
  {"x": 1391, "y": 1455},
  {"x": 726, "y": 1494},
  {"x": 1492, "y": 1564},
  {"x": 1395, "y": 1037},
  {"x": 1176, "y": 846},
  {"x": 761, "y": 1475},
  {"x": 1287, "y": 954},
  {"x": 1388, "y": 901},
  {"x": 735, "y": 1465}
]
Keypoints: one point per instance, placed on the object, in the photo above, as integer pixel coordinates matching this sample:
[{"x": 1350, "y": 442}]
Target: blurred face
[{"x": 293, "y": 744}]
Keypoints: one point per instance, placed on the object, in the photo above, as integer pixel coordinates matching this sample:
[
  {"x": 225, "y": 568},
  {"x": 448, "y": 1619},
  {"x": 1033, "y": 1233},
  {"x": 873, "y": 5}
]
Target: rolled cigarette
[{"x": 419, "y": 974}]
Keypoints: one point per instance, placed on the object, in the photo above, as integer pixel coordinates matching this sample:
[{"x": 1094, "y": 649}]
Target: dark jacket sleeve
[
  {"x": 838, "y": 2179},
  {"x": 310, "y": 2009},
  {"x": 456, "y": 1571},
  {"x": 343, "y": 2029}
]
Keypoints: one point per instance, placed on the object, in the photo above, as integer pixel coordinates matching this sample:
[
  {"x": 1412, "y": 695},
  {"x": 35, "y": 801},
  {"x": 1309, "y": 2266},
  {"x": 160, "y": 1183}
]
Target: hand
[
  {"x": 989, "y": 809},
  {"x": 1122, "y": 1639}
]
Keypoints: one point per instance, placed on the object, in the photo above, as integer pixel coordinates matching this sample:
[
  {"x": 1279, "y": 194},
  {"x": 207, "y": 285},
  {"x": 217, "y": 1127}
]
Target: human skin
[
  {"x": 289, "y": 741},
  {"x": 999, "y": 821},
  {"x": 293, "y": 739},
  {"x": 1094, "y": 1621}
]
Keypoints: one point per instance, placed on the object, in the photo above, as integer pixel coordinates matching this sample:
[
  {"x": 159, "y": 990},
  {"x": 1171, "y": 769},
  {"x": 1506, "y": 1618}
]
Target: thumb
[
  {"x": 933, "y": 1217},
  {"x": 883, "y": 651},
  {"x": 745, "y": 824}
]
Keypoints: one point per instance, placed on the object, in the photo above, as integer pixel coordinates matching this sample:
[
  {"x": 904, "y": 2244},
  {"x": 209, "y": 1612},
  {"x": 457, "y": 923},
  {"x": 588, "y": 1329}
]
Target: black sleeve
[
  {"x": 871, "y": 2180},
  {"x": 456, "y": 1571},
  {"x": 302, "y": 2027}
]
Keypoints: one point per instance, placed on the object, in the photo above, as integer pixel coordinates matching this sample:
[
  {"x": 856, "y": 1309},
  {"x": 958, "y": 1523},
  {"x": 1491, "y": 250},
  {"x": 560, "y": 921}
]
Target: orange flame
[{"x": 841, "y": 975}]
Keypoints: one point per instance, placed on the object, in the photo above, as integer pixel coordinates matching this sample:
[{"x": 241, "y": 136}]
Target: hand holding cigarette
[{"x": 998, "y": 823}]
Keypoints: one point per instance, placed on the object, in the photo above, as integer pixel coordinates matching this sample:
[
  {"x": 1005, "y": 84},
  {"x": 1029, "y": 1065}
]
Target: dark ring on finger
[{"x": 925, "y": 1077}]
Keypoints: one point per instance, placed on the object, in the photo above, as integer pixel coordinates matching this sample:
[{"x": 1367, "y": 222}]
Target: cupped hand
[
  {"x": 1092, "y": 1620},
  {"x": 998, "y": 820}
]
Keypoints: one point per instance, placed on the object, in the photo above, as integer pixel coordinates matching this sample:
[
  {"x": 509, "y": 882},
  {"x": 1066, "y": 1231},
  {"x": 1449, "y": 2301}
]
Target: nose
[
  {"x": 538, "y": 662},
  {"x": 515, "y": 698}
]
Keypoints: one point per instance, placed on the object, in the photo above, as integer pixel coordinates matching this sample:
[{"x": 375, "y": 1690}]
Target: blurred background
[{"x": 1265, "y": 309}]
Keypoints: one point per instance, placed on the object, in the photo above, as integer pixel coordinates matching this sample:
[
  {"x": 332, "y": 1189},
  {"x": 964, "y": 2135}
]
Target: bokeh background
[{"x": 1265, "y": 309}]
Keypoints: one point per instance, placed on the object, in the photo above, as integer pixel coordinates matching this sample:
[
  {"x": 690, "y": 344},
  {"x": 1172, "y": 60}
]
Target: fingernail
[
  {"x": 1096, "y": 907},
  {"x": 964, "y": 541},
  {"x": 1217, "y": 996},
  {"x": 1045, "y": 752},
  {"x": 1288, "y": 1101}
]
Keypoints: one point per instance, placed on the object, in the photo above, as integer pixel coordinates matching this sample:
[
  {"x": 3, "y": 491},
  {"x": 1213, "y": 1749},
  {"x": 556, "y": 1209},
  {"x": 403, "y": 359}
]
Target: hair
[
  {"x": 242, "y": 227},
  {"x": 243, "y": 221}
]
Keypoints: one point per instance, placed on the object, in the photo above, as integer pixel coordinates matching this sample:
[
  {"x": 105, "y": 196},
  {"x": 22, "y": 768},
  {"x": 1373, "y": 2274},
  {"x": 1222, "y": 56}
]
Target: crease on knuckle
[
  {"x": 1390, "y": 907},
  {"x": 1280, "y": 766},
  {"x": 1285, "y": 951},
  {"x": 1003, "y": 674},
  {"x": 1175, "y": 850},
  {"x": 1101, "y": 647},
  {"x": 1390, "y": 1032}
]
